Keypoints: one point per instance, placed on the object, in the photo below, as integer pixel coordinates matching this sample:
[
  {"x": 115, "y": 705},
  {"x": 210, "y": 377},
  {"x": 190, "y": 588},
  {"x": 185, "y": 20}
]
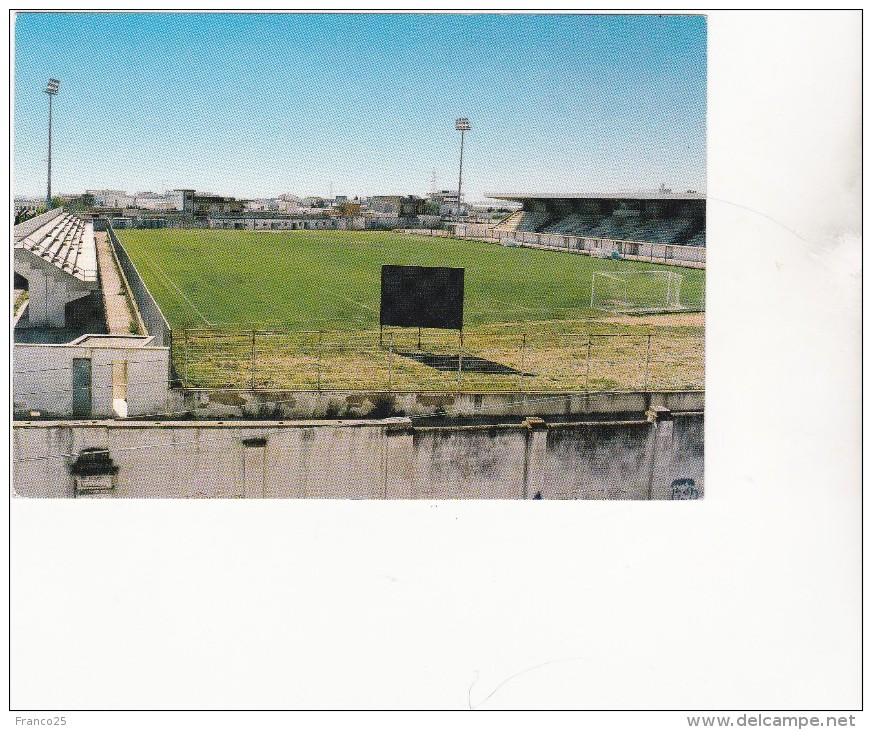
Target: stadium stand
[
  {"x": 66, "y": 242},
  {"x": 56, "y": 261},
  {"x": 573, "y": 224},
  {"x": 662, "y": 217},
  {"x": 523, "y": 221}
]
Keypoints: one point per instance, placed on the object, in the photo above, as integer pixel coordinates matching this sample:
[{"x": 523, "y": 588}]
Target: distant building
[
  {"x": 157, "y": 201},
  {"x": 186, "y": 196},
  {"x": 261, "y": 204},
  {"x": 446, "y": 200},
  {"x": 264, "y": 221},
  {"x": 206, "y": 206},
  {"x": 288, "y": 206},
  {"x": 399, "y": 206},
  {"x": 112, "y": 198}
]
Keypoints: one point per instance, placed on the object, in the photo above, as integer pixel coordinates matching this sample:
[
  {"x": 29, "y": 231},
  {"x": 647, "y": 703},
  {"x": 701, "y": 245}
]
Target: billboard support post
[
  {"x": 459, "y": 367},
  {"x": 391, "y": 363}
]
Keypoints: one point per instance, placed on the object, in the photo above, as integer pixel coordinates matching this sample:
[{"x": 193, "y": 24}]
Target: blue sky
[{"x": 261, "y": 104}]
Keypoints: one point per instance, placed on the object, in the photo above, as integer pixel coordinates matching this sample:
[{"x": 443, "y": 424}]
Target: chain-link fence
[{"x": 409, "y": 360}]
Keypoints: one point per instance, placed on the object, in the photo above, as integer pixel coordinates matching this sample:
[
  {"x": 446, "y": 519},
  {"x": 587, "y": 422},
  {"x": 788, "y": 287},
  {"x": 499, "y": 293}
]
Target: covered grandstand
[
  {"x": 662, "y": 217},
  {"x": 56, "y": 263}
]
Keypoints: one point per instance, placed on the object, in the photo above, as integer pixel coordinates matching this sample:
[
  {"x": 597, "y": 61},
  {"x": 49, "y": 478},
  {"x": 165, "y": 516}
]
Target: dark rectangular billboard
[{"x": 422, "y": 296}]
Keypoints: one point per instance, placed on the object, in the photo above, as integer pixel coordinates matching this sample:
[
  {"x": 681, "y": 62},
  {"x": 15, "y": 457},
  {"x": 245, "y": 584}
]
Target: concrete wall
[
  {"x": 155, "y": 322},
  {"x": 371, "y": 459},
  {"x": 267, "y": 404},
  {"x": 617, "y": 463},
  {"x": 42, "y": 376},
  {"x": 470, "y": 463}
]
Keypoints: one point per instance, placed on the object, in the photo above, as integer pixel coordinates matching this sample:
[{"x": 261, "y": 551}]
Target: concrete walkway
[{"x": 115, "y": 297}]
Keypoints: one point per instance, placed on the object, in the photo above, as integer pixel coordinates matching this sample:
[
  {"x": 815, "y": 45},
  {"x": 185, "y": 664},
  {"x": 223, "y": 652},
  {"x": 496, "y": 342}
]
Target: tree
[{"x": 349, "y": 211}]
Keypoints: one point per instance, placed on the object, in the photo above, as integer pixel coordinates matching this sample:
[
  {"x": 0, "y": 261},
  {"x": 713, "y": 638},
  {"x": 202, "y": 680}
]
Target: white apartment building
[{"x": 112, "y": 198}]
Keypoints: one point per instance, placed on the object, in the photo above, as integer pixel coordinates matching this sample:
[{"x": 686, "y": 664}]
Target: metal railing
[
  {"x": 439, "y": 362},
  {"x": 657, "y": 253},
  {"x": 662, "y": 253}
]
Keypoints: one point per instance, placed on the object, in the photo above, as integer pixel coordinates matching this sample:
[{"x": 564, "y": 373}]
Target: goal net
[{"x": 636, "y": 291}]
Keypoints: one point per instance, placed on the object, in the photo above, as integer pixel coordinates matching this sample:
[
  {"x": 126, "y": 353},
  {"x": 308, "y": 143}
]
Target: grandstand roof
[
  {"x": 656, "y": 195},
  {"x": 63, "y": 240}
]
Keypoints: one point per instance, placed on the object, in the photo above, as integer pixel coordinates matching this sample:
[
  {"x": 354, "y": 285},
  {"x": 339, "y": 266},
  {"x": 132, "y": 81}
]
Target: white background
[{"x": 748, "y": 600}]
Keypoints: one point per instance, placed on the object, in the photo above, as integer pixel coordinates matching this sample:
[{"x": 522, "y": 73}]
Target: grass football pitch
[{"x": 527, "y": 317}]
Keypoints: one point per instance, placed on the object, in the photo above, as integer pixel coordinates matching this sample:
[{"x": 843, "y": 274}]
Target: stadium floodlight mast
[
  {"x": 461, "y": 125},
  {"x": 51, "y": 89}
]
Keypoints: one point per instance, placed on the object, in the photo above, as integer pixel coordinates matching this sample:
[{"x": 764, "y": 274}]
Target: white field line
[
  {"x": 332, "y": 293},
  {"x": 173, "y": 284}
]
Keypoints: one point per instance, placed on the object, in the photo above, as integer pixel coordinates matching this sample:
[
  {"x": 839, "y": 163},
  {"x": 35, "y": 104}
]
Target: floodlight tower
[
  {"x": 51, "y": 89},
  {"x": 461, "y": 125}
]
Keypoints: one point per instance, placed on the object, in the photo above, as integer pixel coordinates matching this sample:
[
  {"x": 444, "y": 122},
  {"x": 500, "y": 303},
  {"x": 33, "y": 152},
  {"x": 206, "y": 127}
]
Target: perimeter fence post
[
  {"x": 647, "y": 361},
  {"x": 523, "y": 358},
  {"x": 185, "y": 366},
  {"x": 587, "y": 372},
  {"x": 320, "y": 349},
  {"x": 253, "y": 333}
]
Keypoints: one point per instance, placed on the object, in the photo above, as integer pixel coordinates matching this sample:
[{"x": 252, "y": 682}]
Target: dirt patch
[{"x": 696, "y": 319}]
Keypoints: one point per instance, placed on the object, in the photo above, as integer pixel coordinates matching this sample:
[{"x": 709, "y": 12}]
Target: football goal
[{"x": 636, "y": 291}]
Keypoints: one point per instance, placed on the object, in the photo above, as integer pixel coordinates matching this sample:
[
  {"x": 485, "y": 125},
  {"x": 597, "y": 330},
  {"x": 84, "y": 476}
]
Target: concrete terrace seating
[
  {"x": 510, "y": 223},
  {"x": 24, "y": 229},
  {"x": 663, "y": 230},
  {"x": 656, "y": 231},
  {"x": 523, "y": 220},
  {"x": 532, "y": 221},
  {"x": 603, "y": 229},
  {"x": 571, "y": 224},
  {"x": 67, "y": 242}
]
